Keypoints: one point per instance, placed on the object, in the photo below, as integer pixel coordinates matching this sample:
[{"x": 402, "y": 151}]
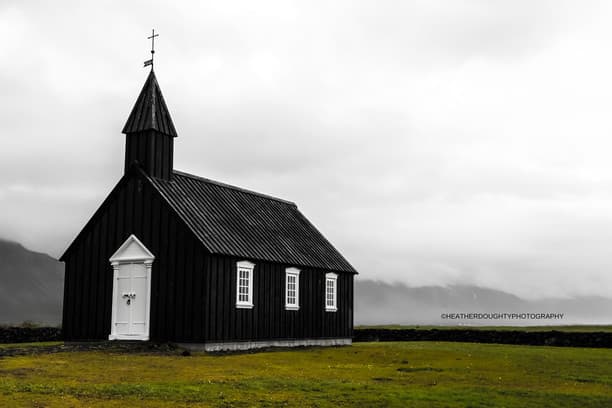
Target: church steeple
[{"x": 149, "y": 132}]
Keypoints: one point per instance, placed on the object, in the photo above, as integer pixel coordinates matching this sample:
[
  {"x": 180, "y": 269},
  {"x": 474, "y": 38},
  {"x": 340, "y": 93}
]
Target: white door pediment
[{"x": 132, "y": 250}]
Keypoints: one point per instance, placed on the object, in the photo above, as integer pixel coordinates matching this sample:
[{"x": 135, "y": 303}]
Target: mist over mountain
[
  {"x": 383, "y": 303},
  {"x": 31, "y": 289},
  {"x": 31, "y": 286}
]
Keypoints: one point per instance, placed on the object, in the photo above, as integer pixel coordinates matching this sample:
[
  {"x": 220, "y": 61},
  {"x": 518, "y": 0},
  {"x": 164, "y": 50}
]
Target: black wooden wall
[
  {"x": 193, "y": 293},
  {"x": 153, "y": 150},
  {"x": 133, "y": 207},
  {"x": 268, "y": 318}
]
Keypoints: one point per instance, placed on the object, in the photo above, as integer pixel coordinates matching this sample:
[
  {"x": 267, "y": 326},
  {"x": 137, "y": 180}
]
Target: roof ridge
[{"x": 225, "y": 185}]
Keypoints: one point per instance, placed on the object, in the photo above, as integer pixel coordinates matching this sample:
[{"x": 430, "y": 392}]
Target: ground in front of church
[{"x": 416, "y": 374}]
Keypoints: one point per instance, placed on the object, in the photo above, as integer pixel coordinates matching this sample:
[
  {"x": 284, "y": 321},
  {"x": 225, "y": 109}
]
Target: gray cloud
[{"x": 433, "y": 142}]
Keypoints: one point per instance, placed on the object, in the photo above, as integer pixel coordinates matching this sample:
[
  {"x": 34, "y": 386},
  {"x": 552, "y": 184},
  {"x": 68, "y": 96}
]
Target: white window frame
[
  {"x": 292, "y": 272},
  {"x": 331, "y": 278},
  {"x": 248, "y": 267}
]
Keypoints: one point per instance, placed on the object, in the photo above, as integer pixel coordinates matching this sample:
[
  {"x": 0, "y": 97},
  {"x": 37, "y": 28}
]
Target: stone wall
[
  {"x": 29, "y": 334},
  {"x": 535, "y": 338}
]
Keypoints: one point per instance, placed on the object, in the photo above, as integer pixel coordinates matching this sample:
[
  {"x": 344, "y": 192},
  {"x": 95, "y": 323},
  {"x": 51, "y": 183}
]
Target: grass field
[{"x": 410, "y": 374}]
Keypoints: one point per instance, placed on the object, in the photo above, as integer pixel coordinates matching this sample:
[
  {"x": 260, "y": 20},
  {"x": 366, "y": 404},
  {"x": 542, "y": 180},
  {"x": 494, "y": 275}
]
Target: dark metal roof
[
  {"x": 150, "y": 111},
  {"x": 233, "y": 221}
]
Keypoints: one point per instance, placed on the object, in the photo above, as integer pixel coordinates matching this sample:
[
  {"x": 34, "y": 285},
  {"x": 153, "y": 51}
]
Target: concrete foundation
[{"x": 249, "y": 345}]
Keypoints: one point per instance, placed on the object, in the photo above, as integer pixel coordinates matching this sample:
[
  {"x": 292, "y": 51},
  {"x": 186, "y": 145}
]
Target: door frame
[{"x": 132, "y": 251}]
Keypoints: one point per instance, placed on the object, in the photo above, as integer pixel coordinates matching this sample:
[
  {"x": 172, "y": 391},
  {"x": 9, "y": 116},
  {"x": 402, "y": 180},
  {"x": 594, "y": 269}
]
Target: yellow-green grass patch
[{"x": 417, "y": 374}]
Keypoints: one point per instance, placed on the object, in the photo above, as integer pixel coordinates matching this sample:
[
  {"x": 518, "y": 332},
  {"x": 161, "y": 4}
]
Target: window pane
[
  {"x": 291, "y": 289},
  {"x": 243, "y": 285},
  {"x": 330, "y": 293}
]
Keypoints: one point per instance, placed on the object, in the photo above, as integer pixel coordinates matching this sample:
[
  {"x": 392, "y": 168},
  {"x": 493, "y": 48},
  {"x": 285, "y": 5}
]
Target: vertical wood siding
[
  {"x": 153, "y": 150},
  {"x": 137, "y": 209},
  {"x": 268, "y": 318}
]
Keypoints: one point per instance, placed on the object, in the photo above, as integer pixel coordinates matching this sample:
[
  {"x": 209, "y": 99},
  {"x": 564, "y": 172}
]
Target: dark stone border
[
  {"x": 108, "y": 346},
  {"x": 534, "y": 338},
  {"x": 29, "y": 334}
]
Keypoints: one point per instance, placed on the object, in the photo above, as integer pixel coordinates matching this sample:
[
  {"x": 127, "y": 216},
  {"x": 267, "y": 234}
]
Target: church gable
[
  {"x": 134, "y": 207},
  {"x": 130, "y": 207}
]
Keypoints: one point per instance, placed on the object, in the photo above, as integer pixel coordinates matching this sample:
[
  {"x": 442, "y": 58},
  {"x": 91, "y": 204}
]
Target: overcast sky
[{"x": 433, "y": 142}]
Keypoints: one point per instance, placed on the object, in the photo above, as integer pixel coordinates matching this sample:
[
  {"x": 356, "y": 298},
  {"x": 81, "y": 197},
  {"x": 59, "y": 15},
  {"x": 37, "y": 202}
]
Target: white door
[
  {"x": 131, "y": 300},
  {"x": 132, "y": 265}
]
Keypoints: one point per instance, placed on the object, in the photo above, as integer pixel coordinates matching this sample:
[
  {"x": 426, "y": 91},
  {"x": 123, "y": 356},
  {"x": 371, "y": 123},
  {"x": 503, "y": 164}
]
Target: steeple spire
[
  {"x": 149, "y": 132},
  {"x": 150, "y": 111}
]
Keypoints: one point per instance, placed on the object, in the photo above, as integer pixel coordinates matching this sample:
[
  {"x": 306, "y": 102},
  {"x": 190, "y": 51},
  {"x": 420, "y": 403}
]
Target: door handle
[{"x": 129, "y": 296}]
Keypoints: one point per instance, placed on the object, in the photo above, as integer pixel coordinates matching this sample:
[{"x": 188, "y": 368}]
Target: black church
[{"x": 169, "y": 256}]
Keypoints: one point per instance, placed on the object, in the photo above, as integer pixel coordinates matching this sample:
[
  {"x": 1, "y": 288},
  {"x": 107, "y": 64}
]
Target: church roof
[
  {"x": 232, "y": 221},
  {"x": 150, "y": 111}
]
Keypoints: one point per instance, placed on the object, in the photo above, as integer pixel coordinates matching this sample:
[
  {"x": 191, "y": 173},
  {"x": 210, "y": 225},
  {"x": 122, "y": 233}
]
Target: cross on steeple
[{"x": 152, "y": 38}]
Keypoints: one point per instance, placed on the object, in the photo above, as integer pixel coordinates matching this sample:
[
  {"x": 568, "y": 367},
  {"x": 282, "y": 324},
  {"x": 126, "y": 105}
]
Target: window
[
  {"x": 292, "y": 289},
  {"x": 331, "y": 292},
  {"x": 244, "y": 284}
]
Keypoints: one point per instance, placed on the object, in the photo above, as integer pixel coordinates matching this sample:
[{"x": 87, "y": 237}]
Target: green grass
[
  {"x": 572, "y": 328},
  {"x": 410, "y": 374}
]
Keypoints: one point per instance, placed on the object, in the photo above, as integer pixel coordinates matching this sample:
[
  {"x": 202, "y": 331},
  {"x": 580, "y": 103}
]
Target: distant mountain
[
  {"x": 383, "y": 303},
  {"x": 31, "y": 286},
  {"x": 32, "y": 283}
]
